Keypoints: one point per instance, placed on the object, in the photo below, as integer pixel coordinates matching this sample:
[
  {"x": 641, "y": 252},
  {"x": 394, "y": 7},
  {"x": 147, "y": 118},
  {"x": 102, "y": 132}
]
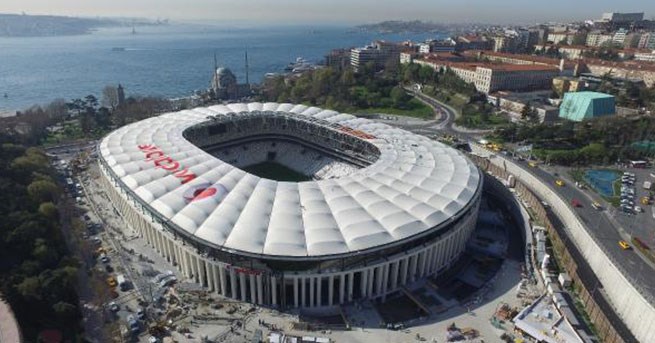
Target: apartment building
[{"x": 379, "y": 53}]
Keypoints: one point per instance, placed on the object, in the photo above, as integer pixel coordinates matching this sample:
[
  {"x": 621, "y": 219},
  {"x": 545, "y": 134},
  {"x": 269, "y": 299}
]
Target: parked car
[
  {"x": 560, "y": 183},
  {"x": 141, "y": 313},
  {"x": 113, "y": 307},
  {"x": 133, "y": 324},
  {"x": 111, "y": 281}
]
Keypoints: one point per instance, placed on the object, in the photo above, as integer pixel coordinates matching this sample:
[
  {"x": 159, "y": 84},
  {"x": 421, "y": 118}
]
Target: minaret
[
  {"x": 214, "y": 76},
  {"x": 120, "y": 92},
  {"x": 247, "y": 71}
]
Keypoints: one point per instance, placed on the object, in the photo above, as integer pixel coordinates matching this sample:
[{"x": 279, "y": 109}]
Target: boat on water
[
  {"x": 299, "y": 66},
  {"x": 298, "y": 62},
  {"x": 118, "y": 49}
]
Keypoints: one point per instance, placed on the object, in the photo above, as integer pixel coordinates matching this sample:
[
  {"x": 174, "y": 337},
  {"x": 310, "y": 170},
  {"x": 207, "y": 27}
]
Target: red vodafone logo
[{"x": 205, "y": 191}]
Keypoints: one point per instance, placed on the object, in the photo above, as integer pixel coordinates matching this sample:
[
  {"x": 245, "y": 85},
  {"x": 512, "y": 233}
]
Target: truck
[
  {"x": 647, "y": 185},
  {"x": 122, "y": 282}
]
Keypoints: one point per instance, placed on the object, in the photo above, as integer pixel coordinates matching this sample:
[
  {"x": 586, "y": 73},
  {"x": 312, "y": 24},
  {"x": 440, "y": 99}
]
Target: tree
[
  {"x": 30, "y": 288},
  {"x": 525, "y": 112},
  {"x": 110, "y": 97},
  {"x": 399, "y": 97},
  {"x": 42, "y": 191},
  {"x": 48, "y": 210}
]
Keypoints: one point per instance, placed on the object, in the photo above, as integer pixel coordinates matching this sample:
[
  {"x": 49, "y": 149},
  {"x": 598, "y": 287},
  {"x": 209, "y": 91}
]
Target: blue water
[
  {"x": 602, "y": 181},
  {"x": 169, "y": 61}
]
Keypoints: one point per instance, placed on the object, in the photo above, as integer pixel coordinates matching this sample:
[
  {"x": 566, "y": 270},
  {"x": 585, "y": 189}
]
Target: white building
[{"x": 404, "y": 214}]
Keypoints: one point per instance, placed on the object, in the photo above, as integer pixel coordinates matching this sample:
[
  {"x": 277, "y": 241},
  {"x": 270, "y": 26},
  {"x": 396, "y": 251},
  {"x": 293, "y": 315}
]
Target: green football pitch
[{"x": 277, "y": 172}]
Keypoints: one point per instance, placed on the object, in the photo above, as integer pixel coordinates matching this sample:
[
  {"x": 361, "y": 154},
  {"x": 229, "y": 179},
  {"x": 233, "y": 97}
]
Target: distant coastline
[{"x": 23, "y": 25}]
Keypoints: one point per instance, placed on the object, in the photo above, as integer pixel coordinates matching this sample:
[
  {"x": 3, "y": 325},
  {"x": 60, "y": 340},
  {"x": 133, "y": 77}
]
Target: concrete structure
[
  {"x": 470, "y": 42},
  {"x": 492, "y": 77},
  {"x": 559, "y": 37},
  {"x": 569, "y": 52},
  {"x": 514, "y": 103},
  {"x": 598, "y": 38},
  {"x": 378, "y": 53},
  {"x": 586, "y": 105},
  {"x": 636, "y": 70},
  {"x": 565, "y": 84},
  {"x": 406, "y": 214},
  {"x": 446, "y": 45},
  {"x": 646, "y": 56},
  {"x": 647, "y": 41},
  {"x": 617, "y": 17},
  {"x": 619, "y": 37},
  {"x": 547, "y": 322},
  {"x": 9, "y": 328}
]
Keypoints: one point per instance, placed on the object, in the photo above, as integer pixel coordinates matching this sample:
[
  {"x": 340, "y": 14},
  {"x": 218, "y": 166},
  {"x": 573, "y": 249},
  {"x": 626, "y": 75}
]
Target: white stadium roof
[{"x": 416, "y": 184}]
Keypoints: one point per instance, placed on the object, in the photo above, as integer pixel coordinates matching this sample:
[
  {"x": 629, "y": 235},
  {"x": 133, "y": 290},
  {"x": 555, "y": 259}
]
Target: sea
[{"x": 169, "y": 61}]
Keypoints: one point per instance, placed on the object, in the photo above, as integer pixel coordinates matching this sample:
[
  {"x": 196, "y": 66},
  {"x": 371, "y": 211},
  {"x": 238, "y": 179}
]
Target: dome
[{"x": 225, "y": 78}]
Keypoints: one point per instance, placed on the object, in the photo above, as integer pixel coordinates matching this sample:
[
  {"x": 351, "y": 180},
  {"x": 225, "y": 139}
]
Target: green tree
[
  {"x": 43, "y": 191},
  {"x": 30, "y": 288},
  {"x": 48, "y": 210}
]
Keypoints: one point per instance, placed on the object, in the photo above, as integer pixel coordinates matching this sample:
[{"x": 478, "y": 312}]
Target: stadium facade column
[
  {"x": 428, "y": 267},
  {"x": 169, "y": 249},
  {"x": 221, "y": 275},
  {"x": 412, "y": 267},
  {"x": 201, "y": 272},
  {"x": 242, "y": 287},
  {"x": 369, "y": 283},
  {"x": 295, "y": 291},
  {"x": 185, "y": 263},
  {"x": 385, "y": 279},
  {"x": 215, "y": 278},
  {"x": 233, "y": 285},
  {"x": 330, "y": 290},
  {"x": 422, "y": 257},
  {"x": 274, "y": 290},
  {"x": 208, "y": 272},
  {"x": 160, "y": 246},
  {"x": 403, "y": 270},
  {"x": 378, "y": 285},
  {"x": 253, "y": 288},
  {"x": 394, "y": 274},
  {"x": 351, "y": 286},
  {"x": 311, "y": 291},
  {"x": 260, "y": 290},
  {"x": 363, "y": 281},
  {"x": 342, "y": 288},
  {"x": 303, "y": 291},
  {"x": 319, "y": 292}
]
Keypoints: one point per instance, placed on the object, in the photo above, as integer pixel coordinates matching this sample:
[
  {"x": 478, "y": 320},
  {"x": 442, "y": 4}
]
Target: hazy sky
[{"x": 335, "y": 11}]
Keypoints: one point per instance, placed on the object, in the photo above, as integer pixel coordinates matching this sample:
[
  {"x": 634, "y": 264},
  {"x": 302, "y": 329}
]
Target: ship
[{"x": 299, "y": 66}]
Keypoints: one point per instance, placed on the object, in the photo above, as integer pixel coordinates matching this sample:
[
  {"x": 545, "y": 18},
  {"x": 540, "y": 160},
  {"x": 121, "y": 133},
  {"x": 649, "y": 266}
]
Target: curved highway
[{"x": 637, "y": 268}]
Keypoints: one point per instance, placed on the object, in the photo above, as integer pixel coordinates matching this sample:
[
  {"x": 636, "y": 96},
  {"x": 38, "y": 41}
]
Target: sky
[{"x": 335, "y": 11}]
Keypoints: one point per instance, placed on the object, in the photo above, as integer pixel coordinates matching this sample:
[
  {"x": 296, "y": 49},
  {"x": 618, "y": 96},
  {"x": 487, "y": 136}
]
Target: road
[
  {"x": 636, "y": 267},
  {"x": 600, "y": 226}
]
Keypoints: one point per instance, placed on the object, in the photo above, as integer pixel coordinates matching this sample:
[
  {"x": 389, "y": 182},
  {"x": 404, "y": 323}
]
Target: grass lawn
[
  {"x": 415, "y": 109},
  {"x": 276, "y": 171}
]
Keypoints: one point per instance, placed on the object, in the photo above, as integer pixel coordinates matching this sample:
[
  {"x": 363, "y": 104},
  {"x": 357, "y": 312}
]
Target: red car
[{"x": 575, "y": 203}]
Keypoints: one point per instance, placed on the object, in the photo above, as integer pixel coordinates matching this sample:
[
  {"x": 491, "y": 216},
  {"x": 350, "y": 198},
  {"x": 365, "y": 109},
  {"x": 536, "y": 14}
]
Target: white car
[{"x": 638, "y": 209}]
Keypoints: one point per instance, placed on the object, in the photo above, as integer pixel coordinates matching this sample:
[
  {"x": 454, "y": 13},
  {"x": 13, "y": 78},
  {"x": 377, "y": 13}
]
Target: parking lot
[{"x": 640, "y": 220}]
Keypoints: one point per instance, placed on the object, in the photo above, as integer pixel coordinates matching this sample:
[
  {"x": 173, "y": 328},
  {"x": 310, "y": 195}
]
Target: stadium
[{"x": 291, "y": 206}]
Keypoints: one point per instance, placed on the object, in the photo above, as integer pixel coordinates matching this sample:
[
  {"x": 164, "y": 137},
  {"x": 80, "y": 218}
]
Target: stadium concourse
[{"x": 381, "y": 207}]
